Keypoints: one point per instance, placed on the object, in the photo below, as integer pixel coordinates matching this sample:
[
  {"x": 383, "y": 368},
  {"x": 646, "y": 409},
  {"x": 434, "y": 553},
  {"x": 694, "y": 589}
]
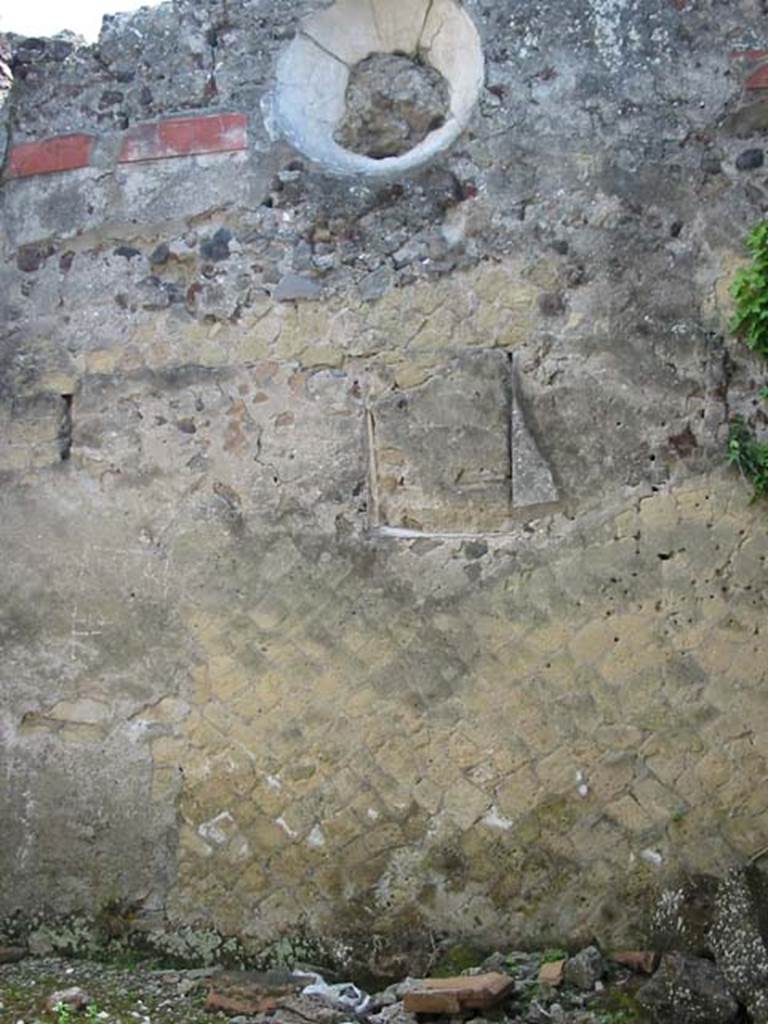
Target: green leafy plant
[
  {"x": 550, "y": 956},
  {"x": 512, "y": 966},
  {"x": 63, "y": 1013},
  {"x": 749, "y": 291},
  {"x": 749, "y": 455}
]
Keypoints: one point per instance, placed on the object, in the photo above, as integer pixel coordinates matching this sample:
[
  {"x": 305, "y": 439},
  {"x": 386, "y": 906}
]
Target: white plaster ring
[{"x": 309, "y": 99}]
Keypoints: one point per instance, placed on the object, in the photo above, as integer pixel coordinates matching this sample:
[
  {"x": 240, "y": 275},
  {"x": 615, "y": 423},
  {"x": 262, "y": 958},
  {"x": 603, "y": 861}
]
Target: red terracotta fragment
[{"x": 551, "y": 973}]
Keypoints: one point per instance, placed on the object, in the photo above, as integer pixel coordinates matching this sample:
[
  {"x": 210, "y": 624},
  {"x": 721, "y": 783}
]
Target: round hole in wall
[
  {"x": 393, "y": 102},
  {"x": 378, "y": 87}
]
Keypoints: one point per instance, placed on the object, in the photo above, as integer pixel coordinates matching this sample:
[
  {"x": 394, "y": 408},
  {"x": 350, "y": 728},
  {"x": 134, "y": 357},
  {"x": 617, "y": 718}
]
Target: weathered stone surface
[
  {"x": 749, "y": 119},
  {"x": 455, "y": 454},
  {"x": 683, "y": 914},
  {"x": 247, "y": 706},
  {"x": 441, "y": 451},
  {"x": 532, "y": 481},
  {"x": 585, "y": 968},
  {"x": 738, "y": 935},
  {"x": 689, "y": 990},
  {"x": 293, "y": 287}
]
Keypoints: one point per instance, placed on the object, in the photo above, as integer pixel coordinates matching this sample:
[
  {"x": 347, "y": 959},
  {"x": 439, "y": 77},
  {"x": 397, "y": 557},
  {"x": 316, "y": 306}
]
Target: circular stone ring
[{"x": 309, "y": 99}]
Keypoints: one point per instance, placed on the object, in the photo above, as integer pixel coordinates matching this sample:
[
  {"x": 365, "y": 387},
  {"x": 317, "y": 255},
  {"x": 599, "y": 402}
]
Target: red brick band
[
  {"x": 46, "y": 156},
  {"x": 184, "y": 136}
]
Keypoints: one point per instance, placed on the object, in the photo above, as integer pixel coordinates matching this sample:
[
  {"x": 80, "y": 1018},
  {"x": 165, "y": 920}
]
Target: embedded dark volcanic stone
[{"x": 750, "y": 160}]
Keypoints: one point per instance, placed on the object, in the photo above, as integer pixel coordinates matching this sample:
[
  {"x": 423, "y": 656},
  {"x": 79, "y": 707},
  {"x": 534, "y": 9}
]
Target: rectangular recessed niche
[{"x": 454, "y": 455}]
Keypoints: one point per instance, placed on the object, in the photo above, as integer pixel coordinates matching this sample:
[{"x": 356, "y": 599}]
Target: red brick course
[
  {"x": 184, "y": 136},
  {"x": 46, "y": 156}
]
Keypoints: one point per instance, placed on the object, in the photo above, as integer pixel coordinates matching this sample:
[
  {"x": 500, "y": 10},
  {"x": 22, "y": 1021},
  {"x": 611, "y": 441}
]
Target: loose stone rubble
[
  {"x": 589, "y": 986},
  {"x": 148, "y": 995},
  {"x": 585, "y": 969}
]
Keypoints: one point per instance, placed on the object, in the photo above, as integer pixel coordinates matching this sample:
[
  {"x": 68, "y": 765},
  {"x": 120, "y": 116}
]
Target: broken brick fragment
[
  {"x": 452, "y": 995},
  {"x": 219, "y": 1002},
  {"x": 552, "y": 973},
  {"x": 249, "y": 992}
]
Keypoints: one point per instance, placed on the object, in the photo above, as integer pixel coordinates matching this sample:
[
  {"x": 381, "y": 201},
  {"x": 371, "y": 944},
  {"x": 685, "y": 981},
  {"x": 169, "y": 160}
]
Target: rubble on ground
[
  {"x": 722, "y": 982},
  {"x": 505, "y": 987}
]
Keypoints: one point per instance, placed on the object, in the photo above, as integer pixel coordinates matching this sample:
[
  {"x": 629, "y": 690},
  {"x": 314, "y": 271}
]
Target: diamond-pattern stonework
[{"x": 429, "y": 732}]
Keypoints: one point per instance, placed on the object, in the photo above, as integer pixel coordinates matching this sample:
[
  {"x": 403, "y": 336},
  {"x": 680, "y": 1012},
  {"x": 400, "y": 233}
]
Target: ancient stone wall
[{"x": 370, "y": 568}]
